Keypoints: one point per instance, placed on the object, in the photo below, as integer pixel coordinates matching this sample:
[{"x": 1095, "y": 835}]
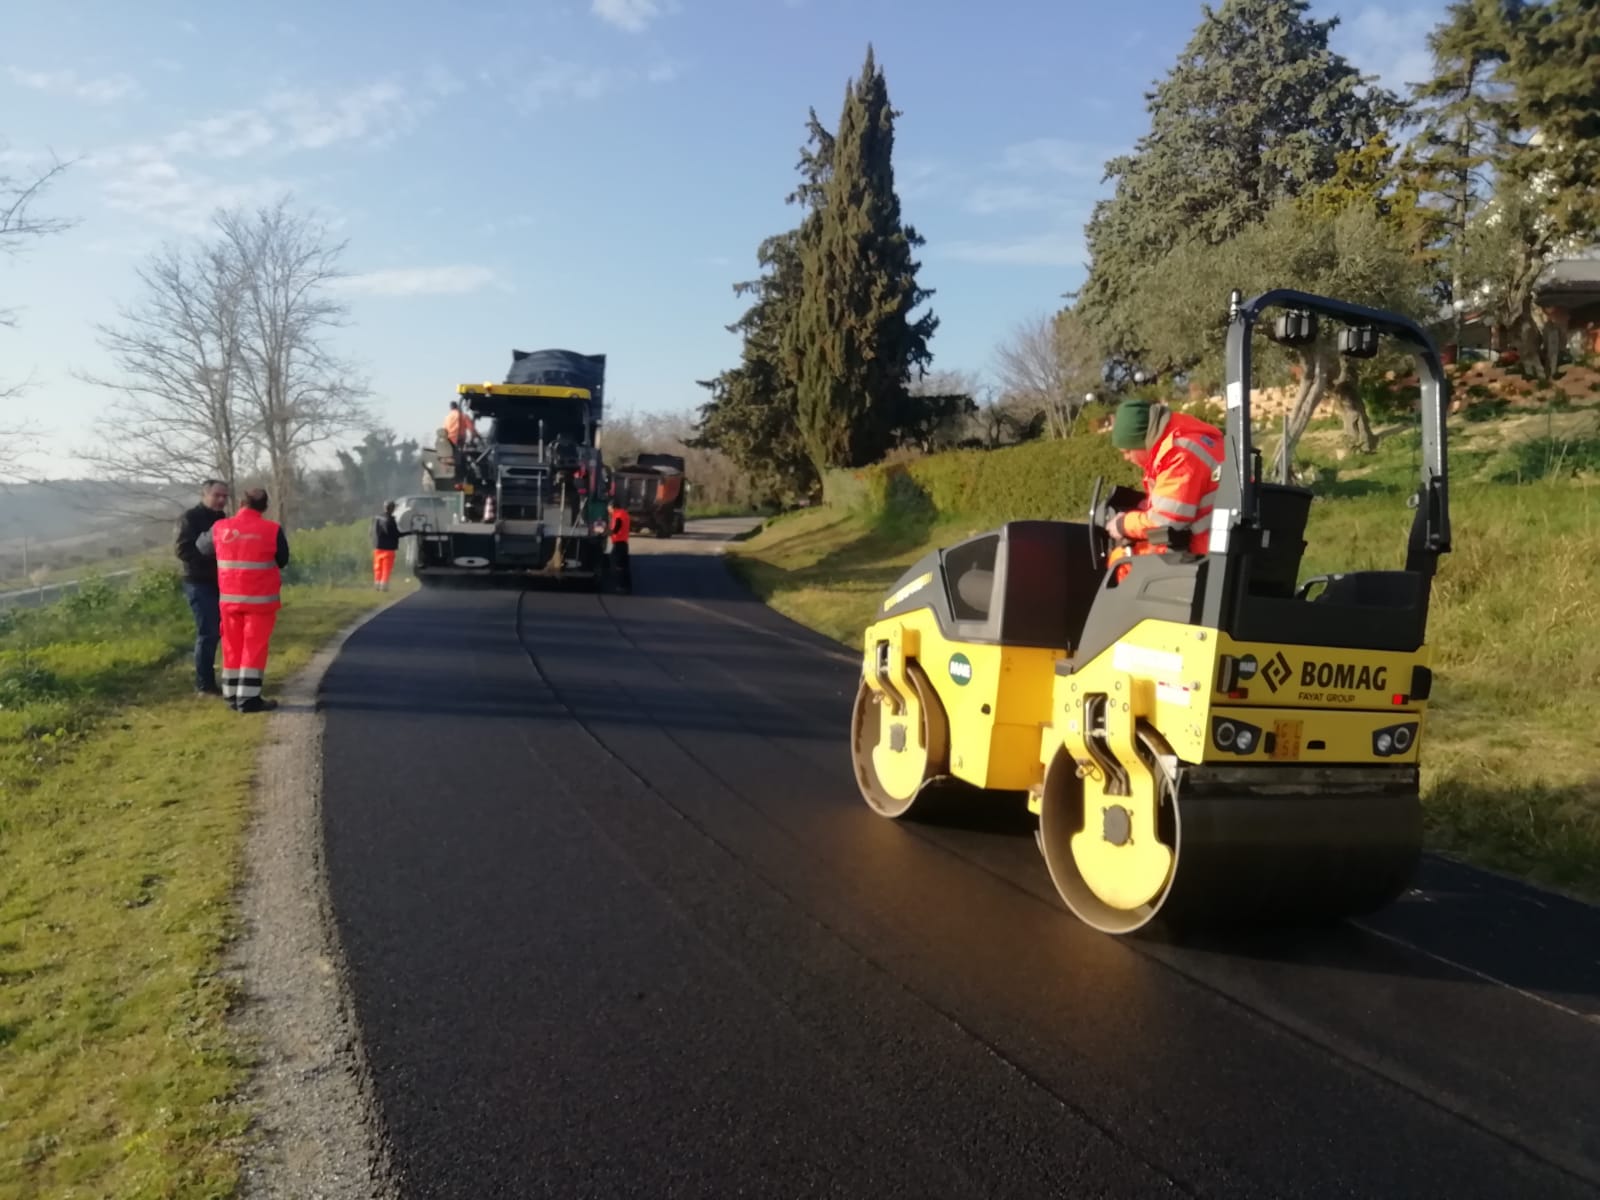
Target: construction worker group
[{"x": 232, "y": 568}]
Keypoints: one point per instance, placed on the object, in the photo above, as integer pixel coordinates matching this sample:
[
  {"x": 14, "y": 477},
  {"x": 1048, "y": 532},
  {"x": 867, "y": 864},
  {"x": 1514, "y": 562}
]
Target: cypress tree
[
  {"x": 855, "y": 343},
  {"x": 1463, "y": 128}
]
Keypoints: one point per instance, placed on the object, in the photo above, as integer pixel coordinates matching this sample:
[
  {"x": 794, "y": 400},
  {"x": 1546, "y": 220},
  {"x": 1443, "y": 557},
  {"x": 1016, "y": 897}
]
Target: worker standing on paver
[
  {"x": 621, "y": 523},
  {"x": 458, "y": 427},
  {"x": 251, "y": 553}
]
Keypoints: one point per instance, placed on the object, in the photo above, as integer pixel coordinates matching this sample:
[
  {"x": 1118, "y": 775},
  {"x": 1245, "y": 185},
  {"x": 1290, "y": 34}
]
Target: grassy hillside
[
  {"x": 123, "y": 800},
  {"x": 1509, "y": 771}
]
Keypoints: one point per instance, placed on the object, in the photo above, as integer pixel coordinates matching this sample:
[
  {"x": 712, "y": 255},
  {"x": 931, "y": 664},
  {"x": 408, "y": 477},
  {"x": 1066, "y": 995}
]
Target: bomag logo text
[{"x": 1343, "y": 676}]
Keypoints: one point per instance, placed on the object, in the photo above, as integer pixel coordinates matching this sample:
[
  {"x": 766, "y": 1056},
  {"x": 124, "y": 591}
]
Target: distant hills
[{"x": 78, "y": 522}]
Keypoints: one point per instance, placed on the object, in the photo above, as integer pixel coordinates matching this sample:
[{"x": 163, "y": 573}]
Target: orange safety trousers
[
  {"x": 246, "y": 634},
  {"x": 382, "y": 565}
]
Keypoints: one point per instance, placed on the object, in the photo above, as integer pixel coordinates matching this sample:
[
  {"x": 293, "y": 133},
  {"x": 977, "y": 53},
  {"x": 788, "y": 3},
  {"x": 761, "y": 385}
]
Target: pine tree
[
  {"x": 1546, "y": 204},
  {"x": 1554, "y": 75},
  {"x": 1463, "y": 130},
  {"x": 855, "y": 343},
  {"x": 1257, "y": 110}
]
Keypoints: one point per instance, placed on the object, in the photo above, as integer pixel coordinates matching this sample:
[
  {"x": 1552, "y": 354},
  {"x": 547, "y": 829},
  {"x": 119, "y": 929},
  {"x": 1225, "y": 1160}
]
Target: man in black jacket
[
  {"x": 386, "y": 537},
  {"x": 200, "y": 582}
]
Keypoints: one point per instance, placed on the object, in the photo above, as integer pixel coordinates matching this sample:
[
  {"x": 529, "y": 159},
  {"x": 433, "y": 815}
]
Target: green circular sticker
[{"x": 961, "y": 669}]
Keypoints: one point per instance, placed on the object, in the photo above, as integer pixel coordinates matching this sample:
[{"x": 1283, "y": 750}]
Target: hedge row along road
[{"x": 617, "y": 923}]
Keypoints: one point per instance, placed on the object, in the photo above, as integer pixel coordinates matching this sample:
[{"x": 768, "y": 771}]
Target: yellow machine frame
[{"x": 1177, "y": 770}]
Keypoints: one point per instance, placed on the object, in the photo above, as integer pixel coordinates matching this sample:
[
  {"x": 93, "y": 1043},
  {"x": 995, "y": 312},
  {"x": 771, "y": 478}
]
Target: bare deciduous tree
[
  {"x": 299, "y": 395},
  {"x": 1032, "y": 367},
  {"x": 179, "y": 411},
  {"x": 19, "y": 226},
  {"x": 714, "y": 478}
]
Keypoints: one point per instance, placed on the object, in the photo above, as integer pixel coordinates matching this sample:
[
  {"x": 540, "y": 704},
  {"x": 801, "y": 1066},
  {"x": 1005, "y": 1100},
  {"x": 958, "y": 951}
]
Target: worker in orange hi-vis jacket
[
  {"x": 251, "y": 553},
  {"x": 621, "y": 526},
  {"x": 1181, "y": 457},
  {"x": 458, "y": 427}
]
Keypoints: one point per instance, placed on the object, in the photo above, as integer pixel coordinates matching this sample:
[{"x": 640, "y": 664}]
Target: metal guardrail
[{"x": 48, "y": 593}]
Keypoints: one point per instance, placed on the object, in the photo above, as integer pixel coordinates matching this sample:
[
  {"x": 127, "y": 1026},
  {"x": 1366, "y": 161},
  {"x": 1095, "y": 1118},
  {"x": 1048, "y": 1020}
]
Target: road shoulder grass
[{"x": 123, "y": 803}]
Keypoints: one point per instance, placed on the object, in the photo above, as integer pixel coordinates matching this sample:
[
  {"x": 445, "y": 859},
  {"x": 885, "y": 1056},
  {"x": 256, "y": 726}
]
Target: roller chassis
[{"x": 1205, "y": 741}]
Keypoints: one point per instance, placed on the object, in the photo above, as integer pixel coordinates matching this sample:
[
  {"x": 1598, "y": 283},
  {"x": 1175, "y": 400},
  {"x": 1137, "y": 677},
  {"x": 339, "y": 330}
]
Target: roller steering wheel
[{"x": 1099, "y": 539}]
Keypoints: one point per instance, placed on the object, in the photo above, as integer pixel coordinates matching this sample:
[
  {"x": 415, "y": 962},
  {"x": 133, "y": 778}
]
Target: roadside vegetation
[
  {"x": 123, "y": 800},
  {"x": 1509, "y": 773}
]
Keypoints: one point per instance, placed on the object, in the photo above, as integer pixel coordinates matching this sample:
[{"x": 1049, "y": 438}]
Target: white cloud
[
  {"x": 1038, "y": 250},
  {"x": 161, "y": 182},
  {"x": 555, "y": 80},
  {"x": 227, "y": 135},
  {"x": 441, "y": 82},
  {"x": 419, "y": 281},
  {"x": 376, "y": 113},
  {"x": 1001, "y": 198},
  {"x": 1390, "y": 42},
  {"x": 1053, "y": 156},
  {"x": 664, "y": 72},
  {"x": 158, "y": 189},
  {"x": 105, "y": 90},
  {"x": 631, "y": 16}
]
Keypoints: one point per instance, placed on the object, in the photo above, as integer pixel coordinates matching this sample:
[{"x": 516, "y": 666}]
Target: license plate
[{"x": 1286, "y": 739}]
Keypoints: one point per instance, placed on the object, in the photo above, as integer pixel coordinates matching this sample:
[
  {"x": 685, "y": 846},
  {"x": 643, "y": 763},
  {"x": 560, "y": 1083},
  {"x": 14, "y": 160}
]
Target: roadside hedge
[{"x": 1037, "y": 480}]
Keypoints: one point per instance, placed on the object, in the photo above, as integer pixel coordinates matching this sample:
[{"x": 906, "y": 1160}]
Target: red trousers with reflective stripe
[
  {"x": 382, "y": 565},
  {"x": 246, "y": 633}
]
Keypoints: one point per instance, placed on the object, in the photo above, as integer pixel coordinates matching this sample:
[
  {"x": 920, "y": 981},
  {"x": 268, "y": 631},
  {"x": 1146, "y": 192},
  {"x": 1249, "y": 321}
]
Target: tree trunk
[
  {"x": 1313, "y": 385},
  {"x": 1358, "y": 432}
]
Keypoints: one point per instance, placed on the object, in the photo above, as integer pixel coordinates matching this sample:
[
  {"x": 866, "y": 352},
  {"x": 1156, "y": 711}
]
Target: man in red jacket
[
  {"x": 251, "y": 553},
  {"x": 1181, "y": 457}
]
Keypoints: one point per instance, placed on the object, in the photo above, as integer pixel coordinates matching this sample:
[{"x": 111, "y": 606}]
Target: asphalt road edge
[{"x": 316, "y": 1130}]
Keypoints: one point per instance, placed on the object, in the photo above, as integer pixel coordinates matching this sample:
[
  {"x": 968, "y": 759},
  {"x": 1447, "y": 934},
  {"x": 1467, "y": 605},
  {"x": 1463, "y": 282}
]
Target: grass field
[
  {"x": 123, "y": 799},
  {"x": 1510, "y": 774}
]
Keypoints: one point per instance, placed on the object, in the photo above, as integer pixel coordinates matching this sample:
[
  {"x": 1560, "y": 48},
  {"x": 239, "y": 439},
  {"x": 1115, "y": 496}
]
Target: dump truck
[
  {"x": 1207, "y": 739},
  {"x": 652, "y": 488},
  {"x": 528, "y": 485}
]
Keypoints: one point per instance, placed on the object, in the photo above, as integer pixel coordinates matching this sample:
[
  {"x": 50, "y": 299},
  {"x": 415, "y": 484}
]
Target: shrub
[
  {"x": 331, "y": 555},
  {"x": 1037, "y": 480}
]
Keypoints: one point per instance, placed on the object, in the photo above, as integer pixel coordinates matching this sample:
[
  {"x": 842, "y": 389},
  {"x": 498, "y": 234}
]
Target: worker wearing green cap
[{"x": 1181, "y": 457}]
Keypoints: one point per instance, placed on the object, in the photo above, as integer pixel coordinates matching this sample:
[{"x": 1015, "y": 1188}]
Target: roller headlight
[
  {"x": 1233, "y": 736},
  {"x": 1394, "y": 739}
]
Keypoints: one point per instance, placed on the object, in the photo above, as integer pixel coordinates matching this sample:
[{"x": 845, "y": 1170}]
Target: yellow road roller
[{"x": 1208, "y": 740}]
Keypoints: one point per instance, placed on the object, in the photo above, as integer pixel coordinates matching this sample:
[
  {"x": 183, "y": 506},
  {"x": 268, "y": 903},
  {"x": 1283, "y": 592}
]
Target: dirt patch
[{"x": 317, "y": 1133}]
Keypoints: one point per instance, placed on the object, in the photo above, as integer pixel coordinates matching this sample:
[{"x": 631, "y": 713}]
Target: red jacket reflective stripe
[
  {"x": 247, "y": 560},
  {"x": 621, "y": 523},
  {"x": 1184, "y": 469}
]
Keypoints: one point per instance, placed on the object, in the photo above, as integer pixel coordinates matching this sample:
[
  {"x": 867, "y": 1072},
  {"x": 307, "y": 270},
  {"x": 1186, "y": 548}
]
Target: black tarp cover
[{"x": 562, "y": 368}]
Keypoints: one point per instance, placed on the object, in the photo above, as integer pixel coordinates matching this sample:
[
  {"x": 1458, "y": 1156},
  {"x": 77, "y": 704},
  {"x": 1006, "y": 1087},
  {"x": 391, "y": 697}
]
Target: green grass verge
[
  {"x": 1509, "y": 772},
  {"x": 704, "y": 512},
  {"x": 123, "y": 801}
]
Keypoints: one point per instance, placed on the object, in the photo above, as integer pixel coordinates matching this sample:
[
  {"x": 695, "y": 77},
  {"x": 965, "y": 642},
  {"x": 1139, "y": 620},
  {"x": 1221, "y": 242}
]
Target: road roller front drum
[
  {"x": 896, "y": 756},
  {"x": 1248, "y": 846}
]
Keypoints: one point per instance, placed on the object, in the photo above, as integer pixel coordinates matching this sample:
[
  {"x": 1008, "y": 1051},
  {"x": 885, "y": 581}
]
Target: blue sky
[{"x": 591, "y": 174}]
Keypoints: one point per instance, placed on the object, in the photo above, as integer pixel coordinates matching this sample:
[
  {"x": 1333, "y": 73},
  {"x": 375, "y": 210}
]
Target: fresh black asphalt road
[{"x": 618, "y": 924}]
